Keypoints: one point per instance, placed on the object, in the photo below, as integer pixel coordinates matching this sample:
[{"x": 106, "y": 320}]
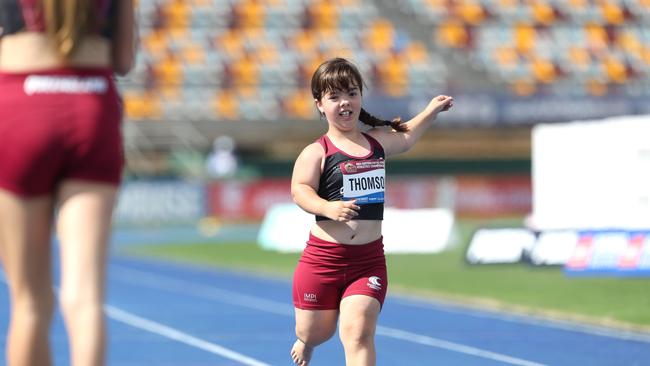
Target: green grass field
[{"x": 521, "y": 288}]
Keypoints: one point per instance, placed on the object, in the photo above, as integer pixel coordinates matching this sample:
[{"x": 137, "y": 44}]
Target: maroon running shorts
[
  {"x": 327, "y": 272},
  {"x": 56, "y": 125}
]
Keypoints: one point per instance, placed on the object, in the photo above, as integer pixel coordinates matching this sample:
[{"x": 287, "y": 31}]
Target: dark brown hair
[
  {"x": 340, "y": 74},
  {"x": 67, "y": 21}
]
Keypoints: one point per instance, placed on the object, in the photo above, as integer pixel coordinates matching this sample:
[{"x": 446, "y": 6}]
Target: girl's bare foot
[{"x": 301, "y": 353}]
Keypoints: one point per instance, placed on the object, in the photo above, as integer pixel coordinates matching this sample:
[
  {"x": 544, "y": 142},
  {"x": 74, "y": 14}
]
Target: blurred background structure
[{"x": 242, "y": 68}]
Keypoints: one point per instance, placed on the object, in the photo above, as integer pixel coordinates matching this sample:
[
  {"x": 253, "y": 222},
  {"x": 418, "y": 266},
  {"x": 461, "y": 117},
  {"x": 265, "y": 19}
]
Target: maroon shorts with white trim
[
  {"x": 56, "y": 125},
  {"x": 327, "y": 272}
]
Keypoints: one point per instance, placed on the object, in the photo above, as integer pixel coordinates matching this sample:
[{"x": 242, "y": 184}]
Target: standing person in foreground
[
  {"x": 60, "y": 121},
  {"x": 340, "y": 178}
]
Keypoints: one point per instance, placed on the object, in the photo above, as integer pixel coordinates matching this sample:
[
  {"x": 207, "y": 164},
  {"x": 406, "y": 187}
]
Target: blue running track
[{"x": 171, "y": 314}]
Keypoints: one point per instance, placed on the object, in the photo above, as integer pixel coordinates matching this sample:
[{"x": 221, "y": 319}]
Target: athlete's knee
[
  {"x": 313, "y": 336},
  {"x": 357, "y": 332},
  {"x": 34, "y": 307},
  {"x": 75, "y": 303}
]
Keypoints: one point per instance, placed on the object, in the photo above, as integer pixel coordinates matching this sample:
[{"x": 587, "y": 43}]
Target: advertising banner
[
  {"x": 248, "y": 201},
  {"x": 468, "y": 196},
  {"x": 160, "y": 202},
  {"x": 493, "y": 196},
  {"x": 611, "y": 252}
]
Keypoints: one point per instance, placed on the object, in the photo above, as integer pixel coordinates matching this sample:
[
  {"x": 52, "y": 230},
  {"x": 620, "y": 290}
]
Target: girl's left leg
[
  {"x": 83, "y": 225},
  {"x": 357, "y": 324}
]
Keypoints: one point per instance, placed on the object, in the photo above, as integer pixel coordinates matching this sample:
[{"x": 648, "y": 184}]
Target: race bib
[{"x": 363, "y": 180}]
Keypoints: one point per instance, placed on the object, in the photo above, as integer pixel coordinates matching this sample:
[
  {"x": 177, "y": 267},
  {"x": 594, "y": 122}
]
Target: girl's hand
[
  {"x": 441, "y": 103},
  {"x": 342, "y": 211}
]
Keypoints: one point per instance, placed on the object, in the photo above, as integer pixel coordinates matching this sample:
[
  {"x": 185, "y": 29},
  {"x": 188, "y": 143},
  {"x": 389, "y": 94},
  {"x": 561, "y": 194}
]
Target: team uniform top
[
  {"x": 27, "y": 15},
  {"x": 347, "y": 177}
]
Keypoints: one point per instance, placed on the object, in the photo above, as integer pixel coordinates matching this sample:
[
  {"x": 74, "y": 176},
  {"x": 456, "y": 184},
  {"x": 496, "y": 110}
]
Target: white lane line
[
  {"x": 162, "y": 282},
  {"x": 145, "y": 324},
  {"x": 156, "y": 281},
  {"x": 452, "y": 346},
  {"x": 174, "y": 334}
]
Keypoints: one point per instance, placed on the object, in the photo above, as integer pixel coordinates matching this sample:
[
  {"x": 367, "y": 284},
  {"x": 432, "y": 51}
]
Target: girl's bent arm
[
  {"x": 304, "y": 187},
  {"x": 305, "y": 178}
]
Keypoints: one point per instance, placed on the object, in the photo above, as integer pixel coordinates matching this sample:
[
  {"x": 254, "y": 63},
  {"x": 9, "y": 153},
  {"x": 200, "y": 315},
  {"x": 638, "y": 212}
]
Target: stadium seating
[
  {"x": 234, "y": 59},
  {"x": 535, "y": 46},
  {"x": 213, "y": 60}
]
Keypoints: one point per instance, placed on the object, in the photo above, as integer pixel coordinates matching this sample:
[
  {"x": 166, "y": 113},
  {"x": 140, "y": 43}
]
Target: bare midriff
[
  {"x": 33, "y": 51},
  {"x": 350, "y": 232}
]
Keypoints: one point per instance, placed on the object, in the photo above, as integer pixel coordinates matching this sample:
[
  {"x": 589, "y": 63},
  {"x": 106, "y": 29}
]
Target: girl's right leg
[
  {"x": 25, "y": 253},
  {"x": 313, "y": 327}
]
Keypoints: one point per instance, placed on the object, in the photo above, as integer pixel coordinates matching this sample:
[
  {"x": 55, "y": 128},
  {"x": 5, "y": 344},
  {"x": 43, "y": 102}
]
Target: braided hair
[
  {"x": 340, "y": 74},
  {"x": 371, "y": 120}
]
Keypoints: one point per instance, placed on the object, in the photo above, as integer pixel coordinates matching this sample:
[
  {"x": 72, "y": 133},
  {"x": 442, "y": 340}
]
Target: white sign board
[
  {"x": 286, "y": 229},
  {"x": 592, "y": 174}
]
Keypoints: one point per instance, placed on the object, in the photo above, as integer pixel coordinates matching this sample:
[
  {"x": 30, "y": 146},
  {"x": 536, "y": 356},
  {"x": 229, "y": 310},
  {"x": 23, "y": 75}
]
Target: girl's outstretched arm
[{"x": 395, "y": 142}]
